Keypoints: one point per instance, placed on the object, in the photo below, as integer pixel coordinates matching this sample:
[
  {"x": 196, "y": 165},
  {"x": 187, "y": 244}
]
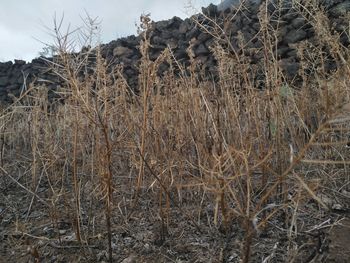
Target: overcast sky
[{"x": 23, "y": 22}]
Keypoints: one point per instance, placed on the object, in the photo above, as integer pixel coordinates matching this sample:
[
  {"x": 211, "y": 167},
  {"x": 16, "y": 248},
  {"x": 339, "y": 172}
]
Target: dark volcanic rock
[
  {"x": 201, "y": 50},
  {"x": 210, "y": 11},
  {"x": 185, "y": 26},
  {"x": 294, "y": 36},
  {"x": 4, "y": 81},
  {"x": 290, "y": 67},
  {"x": 340, "y": 9},
  {"x": 19, "y": 62},
  {"x": 298, "y": 22},
  {"x": 122, "y": 51},
  {"x": 240, "y": 34}
]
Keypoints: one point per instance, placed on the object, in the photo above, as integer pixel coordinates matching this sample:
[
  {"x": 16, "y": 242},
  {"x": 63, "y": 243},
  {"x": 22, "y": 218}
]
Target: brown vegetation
[{"x": 225, "y": 156}]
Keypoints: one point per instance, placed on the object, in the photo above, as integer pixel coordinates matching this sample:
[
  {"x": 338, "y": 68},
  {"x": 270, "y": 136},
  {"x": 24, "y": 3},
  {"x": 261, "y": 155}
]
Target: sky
[{"x": 26, "y": 24}]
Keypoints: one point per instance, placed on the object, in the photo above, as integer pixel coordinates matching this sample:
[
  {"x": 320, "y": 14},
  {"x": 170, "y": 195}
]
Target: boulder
[
  {"x": 294, "y": 36},
  {"x": 340, "y": 9},
  {"x": 290, "y": 67},
  {"x": 211, "y": 10},
  {"x": 226, "y": 4},
  {"x": 184, "y": 26},
  {"x": 19, "y": 62},
  {"x": 298, "y": 22},
  {"x": 4, "y": 81},
  {"x": 122, "y": 52},
  {"x": 201, "y": 50}
]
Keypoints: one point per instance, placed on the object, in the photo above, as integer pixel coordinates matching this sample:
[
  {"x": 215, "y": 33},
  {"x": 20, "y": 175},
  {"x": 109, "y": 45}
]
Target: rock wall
[{"x": 243, "y": 29}]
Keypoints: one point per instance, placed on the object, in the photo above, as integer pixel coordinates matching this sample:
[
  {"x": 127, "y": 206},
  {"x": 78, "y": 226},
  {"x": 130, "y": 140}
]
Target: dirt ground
[{"x": 29, "y": 232}]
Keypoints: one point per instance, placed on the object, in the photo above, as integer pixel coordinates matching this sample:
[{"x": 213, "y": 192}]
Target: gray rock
[
  {"x": 340, "y": 9},
  {"x": 166, "y": 24},
  {"x": 4, "y": 81},
  {"x": 201, "y": 50},
  {"x": 185, "y": 25},
  {"x": 281, "y": 51},
  {"x": 292, "y": 53},
  {"x": 295, "y": 35},
  {"x": 166, "y": 34},
  {"x": 5, "y": 65},
  {"x": 12, "y": 87},
  {"x": 288, "y": 17},
  {"x": 122, "y": 51},
  {"x": 256, "y": 26},
  {"x": 20, "y": 80},
  {"x": 210, "y": 43},
  {"x": 130, "y": 72},
  {"x": 210, "y": 11},
  {"x": 201, "y": 59},
  {"x": 3, "y": 92},
  {"x": 172, "y": 43},
  {"x": 19, "y": 62},
  {"x": 194, "y": 32},
  {"x": 180, "y": 54},
  {"x": 226, "y": 4},
  {"x": 203, "y": 37},
  {"x": 290, "y": 67},
  {"x": 161, "y": 25},
  {"x": 298, "y": 22},
  {"x": 157, "y": 40}
]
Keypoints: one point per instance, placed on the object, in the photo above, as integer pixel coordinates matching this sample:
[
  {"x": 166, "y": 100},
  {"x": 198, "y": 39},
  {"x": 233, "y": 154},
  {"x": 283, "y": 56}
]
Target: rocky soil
[{"x": 37, "y": 234}]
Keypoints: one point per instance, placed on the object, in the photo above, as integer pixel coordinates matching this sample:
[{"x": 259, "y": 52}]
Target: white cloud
[{"x": 22, "y": 22}]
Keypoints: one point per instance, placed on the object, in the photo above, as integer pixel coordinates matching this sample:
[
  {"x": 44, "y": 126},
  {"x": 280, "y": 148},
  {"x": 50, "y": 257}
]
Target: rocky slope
[{"x": 242, "y": 31}]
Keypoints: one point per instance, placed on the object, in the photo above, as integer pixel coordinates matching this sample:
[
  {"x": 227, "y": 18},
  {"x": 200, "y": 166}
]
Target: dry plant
[{"x": 244, "y": 150}]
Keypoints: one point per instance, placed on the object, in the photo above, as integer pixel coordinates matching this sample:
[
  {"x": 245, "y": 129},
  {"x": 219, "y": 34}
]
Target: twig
[{"x": 25, "y": 188}]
